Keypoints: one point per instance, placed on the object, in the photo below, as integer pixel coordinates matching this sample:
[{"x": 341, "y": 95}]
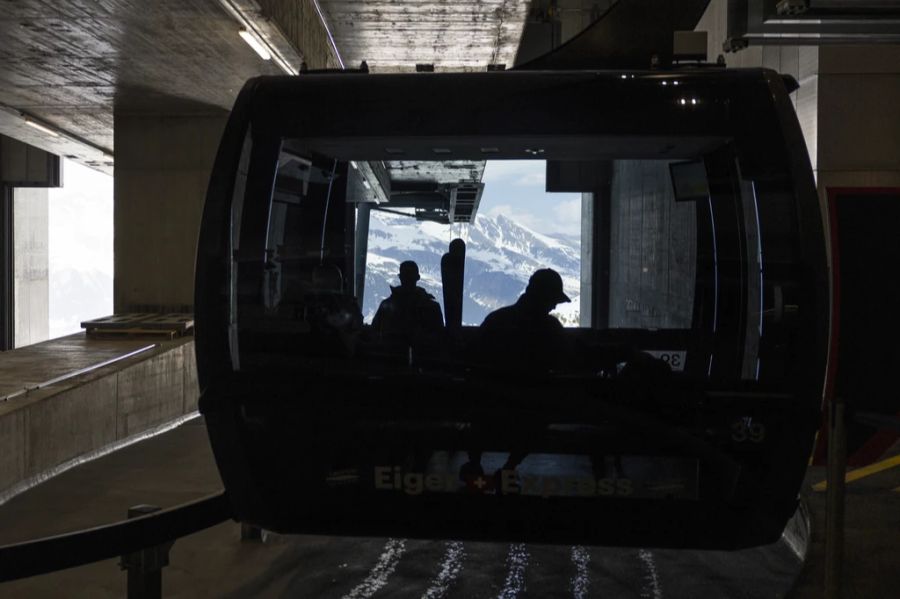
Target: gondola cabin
[{"x": 676, "y": 408}]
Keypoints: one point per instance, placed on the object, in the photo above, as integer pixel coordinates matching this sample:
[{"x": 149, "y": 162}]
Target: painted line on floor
[
  {"x": 450, "y": 567},
  {"x": 379, "y": 574},
  {"x": 863, "y": 472},
  {"x": 517, "y": 561},
  {"x": 581, "y": 581},
  {"x": 651, "y": 588}
]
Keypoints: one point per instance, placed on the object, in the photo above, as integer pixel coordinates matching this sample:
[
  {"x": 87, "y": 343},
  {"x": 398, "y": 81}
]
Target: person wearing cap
[
  {"x": 523, "y": 340},
  {"x": 410, "y": 314},
  {"x": 531, "y": 313}
]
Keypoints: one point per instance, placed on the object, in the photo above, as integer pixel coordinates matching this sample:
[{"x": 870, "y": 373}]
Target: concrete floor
[
  {"x": 178, "y": 466},
  {"x": 872, "y": 537}
]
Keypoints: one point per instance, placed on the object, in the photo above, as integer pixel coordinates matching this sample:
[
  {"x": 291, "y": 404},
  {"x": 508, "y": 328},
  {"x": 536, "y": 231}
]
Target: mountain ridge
[{"x": 501, "y": 255}]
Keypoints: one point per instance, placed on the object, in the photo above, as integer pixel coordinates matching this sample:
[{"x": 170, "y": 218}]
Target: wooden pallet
[
  {"x": 101, "y": 333},
  {"x": 166, "y": 326}
]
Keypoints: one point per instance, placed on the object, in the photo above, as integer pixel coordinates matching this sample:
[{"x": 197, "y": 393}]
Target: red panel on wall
[{"x": 865, "y": 332}]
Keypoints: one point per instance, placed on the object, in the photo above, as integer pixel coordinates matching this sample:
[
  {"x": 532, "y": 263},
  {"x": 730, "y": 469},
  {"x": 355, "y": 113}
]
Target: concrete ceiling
[
  {"x": 68, "y": 63},
  {"x": 456, "y": 35},
  {"x": 407, "y": 175}
]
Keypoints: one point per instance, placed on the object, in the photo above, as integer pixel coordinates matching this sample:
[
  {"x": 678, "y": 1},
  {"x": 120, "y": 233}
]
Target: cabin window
[
  {"x": 661, "y": 256},
  {"x": 519, "y": 227}
]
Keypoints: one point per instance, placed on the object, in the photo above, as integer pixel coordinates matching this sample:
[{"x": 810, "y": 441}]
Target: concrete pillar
[
  {"x": 652, "y": 259},
  {"x": 596, "y": 251},
  {"x": 586, "y": 309},
  {"x": 31, "y": 259},
  {"x": 163, "y": 163}
]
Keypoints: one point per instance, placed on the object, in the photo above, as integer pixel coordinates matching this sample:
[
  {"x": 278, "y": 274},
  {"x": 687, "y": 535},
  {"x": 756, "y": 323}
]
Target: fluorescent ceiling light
[
  {"x": 254, "y": 43},
  {"x": 41, "y": 127},
  {"x": 265, "y": 32}
]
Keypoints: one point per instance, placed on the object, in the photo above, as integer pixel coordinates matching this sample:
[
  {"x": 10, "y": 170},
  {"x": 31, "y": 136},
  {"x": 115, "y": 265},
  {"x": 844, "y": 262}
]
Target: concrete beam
[
  {"x": 395, "y": 36},
  {"x": 54, "y": 140},
  {"x": 301, "y": 24},
  {"x": 23, "y": 165}
]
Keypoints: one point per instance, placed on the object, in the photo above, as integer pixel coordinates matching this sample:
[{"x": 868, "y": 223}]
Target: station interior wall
[
  {"x": 653, "y": 254},
  {"x": 847, "y": 104},
  {"x": 859, "y": 119}
]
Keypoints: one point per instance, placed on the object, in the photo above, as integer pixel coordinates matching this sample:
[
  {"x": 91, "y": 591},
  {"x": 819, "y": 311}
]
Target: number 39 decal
[
  {"x": 745, "y": 429},
  {"x": 674, "y": 358}
]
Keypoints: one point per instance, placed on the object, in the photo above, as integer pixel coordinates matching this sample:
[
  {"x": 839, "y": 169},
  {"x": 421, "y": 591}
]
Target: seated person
[
  {"x": 525, "y": 339},
  {"x": 334, "y": 318},
  {"x": 525, "y": 336},
  {"x": 410, "y": 315}
]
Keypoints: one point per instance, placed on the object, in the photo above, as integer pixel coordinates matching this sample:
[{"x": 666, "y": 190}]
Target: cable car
[{"x": 679, "y": 412}]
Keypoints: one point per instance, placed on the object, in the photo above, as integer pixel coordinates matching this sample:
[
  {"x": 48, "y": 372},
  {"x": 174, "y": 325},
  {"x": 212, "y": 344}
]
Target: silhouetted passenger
[
  {"x": 645, "y": 379},
  {"x": 525, "y": 335},
  {"x": 411, "y": 314},
  {"x": 525, "y": 339},
  {"x": 334, "y": 318}
]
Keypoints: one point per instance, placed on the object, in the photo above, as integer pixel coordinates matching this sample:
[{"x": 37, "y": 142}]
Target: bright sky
[
  {"x": 81, "y": 220},
  {"x": 80, "y": 248},
  {"x": 515, "y": 189}
]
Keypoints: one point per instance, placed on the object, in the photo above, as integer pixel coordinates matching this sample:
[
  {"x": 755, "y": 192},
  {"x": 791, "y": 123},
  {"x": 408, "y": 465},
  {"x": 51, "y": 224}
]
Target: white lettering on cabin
[
  {"x": 393, "y": 478},
  {"x": 383, "y": 478}
]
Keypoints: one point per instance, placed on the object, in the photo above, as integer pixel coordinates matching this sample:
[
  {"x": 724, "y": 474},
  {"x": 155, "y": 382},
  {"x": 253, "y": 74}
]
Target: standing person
[{"x": 411, "y": 314}]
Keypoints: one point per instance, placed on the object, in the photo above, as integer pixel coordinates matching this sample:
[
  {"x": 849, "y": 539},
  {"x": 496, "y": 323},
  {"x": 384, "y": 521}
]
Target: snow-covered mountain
[{"x": 500, "y": 256}]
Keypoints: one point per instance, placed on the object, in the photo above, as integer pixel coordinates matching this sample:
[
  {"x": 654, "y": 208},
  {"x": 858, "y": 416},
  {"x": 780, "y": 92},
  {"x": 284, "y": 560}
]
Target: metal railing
[{"x": 141, "y": 542}]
